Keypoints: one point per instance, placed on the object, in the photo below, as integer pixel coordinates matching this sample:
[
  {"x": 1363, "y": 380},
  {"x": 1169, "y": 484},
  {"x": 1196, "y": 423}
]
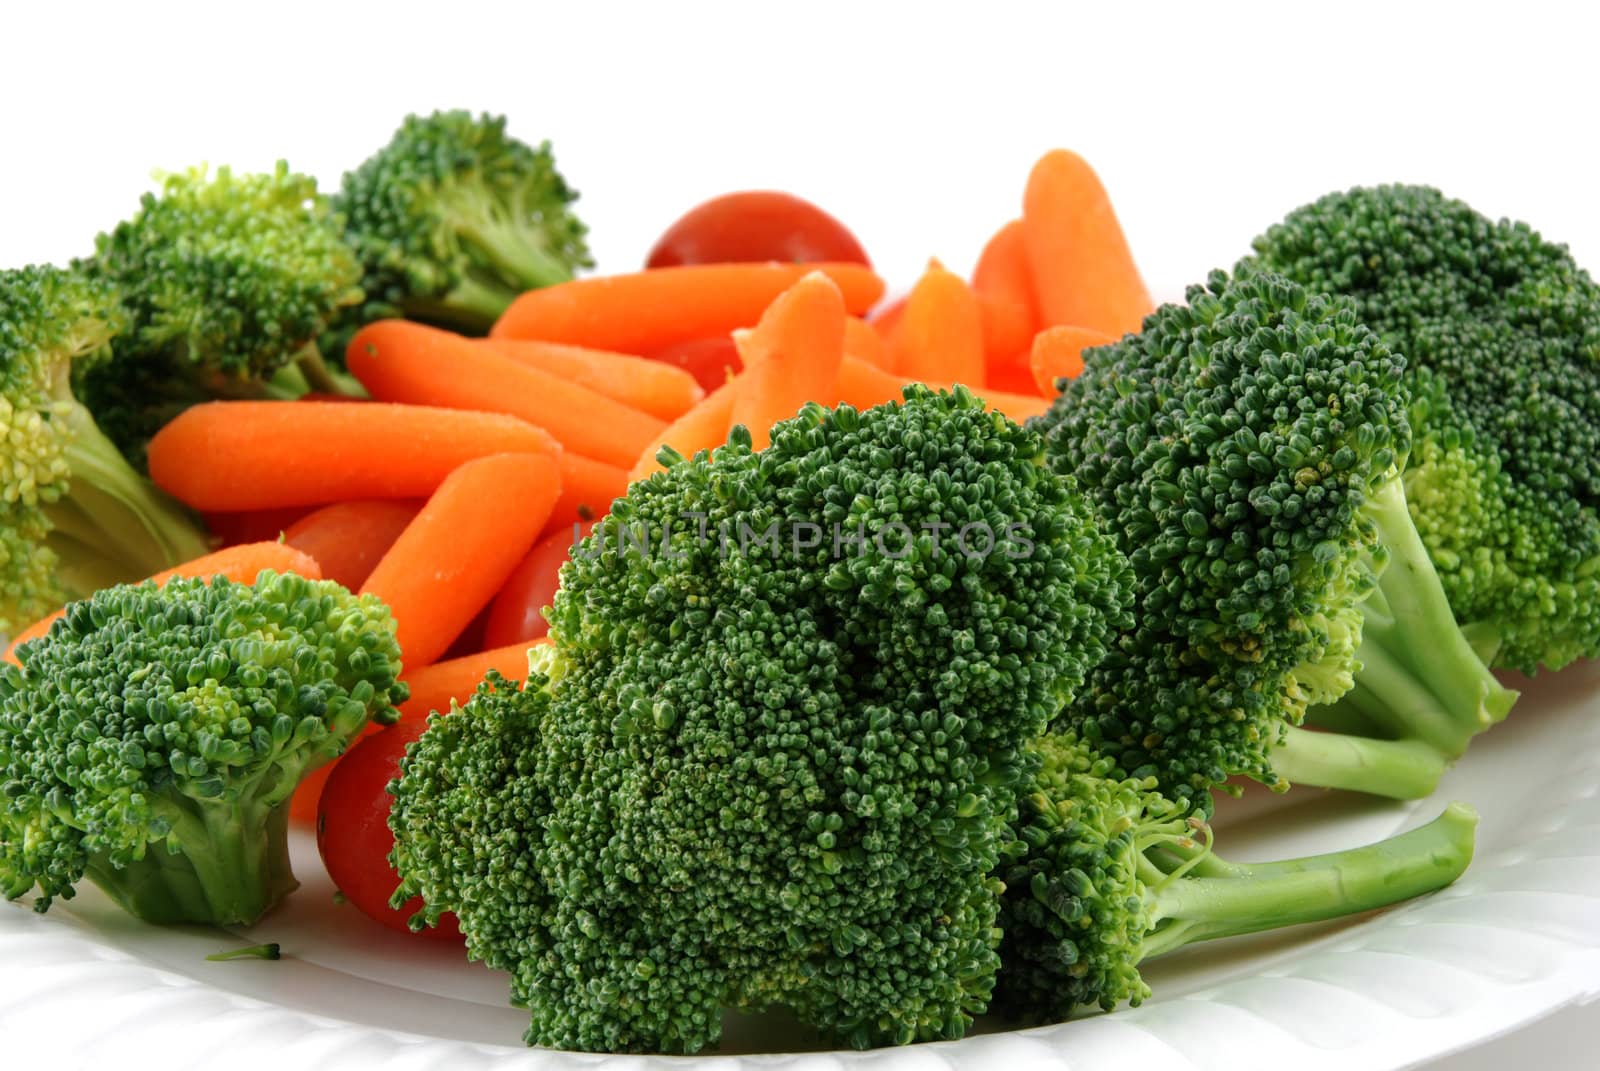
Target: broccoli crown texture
[
  {"x": 453, "y": 218},
  {"x": 227, "y": 279},
  {"x": 787, "y": 709},
  {"x": 73, "y": 515},
  {"x": 1114, "y": 873},
  {"x": 1501, "y": 330},
  {"x": 152, "y": 738},
  {"x": 1244, "y": 450}
]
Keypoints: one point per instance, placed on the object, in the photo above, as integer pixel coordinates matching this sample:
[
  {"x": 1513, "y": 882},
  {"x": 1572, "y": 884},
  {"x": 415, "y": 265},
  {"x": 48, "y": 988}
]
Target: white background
[{"x": 915, "y": 124}]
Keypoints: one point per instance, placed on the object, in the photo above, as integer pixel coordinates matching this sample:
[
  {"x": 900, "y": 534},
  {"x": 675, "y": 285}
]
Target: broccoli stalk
[
  {"x": 151, "y": 740},
  {"x": 77, "y": 517},
  {"x": 227, "y": 281},
  {"x": 452, "y": 219},
  {"x": 1247, "y": 451},
  {"x": 1498, "y": 328},
  {"x": 1111, "y": 873},
  {"x": 1203, "y": 897}
]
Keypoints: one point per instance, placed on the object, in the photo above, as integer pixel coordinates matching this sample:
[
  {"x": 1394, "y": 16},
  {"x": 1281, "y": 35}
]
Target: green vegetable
[
  {"x": 453, "y": 218},
  {"x": 749, "y": 776},
  {"x": 73, "y": 515},
  {"x": 1114, "y": 874},
  {"x": 266, "y": 951},
  {"x": 227, "y": 281},
  {"x": 1502, "y": 333},
  {"x": 151, "y": 740},
  {"x": 1245, "y": 451}
]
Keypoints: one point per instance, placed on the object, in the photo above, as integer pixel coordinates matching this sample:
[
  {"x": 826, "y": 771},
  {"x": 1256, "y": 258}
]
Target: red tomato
[
  {"x": 708, "y": 360},
  {"x": 517, "y": 613},
  {"x": 755, "y": 225},
  {"x": 353, "y": 831}
]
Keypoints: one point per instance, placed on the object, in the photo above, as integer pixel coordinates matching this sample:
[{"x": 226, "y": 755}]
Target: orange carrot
[
  {"x": 348, "y": 538},
  {"x": 862, "y": 340},
  {"x": 401, "y": 361},
  {"x": 863, "y": 386},
  {"x": 653, "y": 387},
  {"x": 1083, "y": 272},
  {"x": 432, "y": 688},
  {"x": 587, "y": 490},
  {"x": 791, "y": 357},
  {"x": 241, "y": 564},
  {"x": 650, "y": 310},
  {"x": 704, "y": 427},
  {"x": 940, "y": 337},
  {"x": 1058, "y": 354},
  {"x": 1004, "y": 285},
  {"x": 455, "y": 555},
  {"x": 258, "y": 455},
  {"x": 1015, "y": 376}
]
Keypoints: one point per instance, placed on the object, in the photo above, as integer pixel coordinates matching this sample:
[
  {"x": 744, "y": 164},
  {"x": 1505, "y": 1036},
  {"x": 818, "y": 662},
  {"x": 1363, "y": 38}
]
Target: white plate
[{"x": 1516, "y": 938}]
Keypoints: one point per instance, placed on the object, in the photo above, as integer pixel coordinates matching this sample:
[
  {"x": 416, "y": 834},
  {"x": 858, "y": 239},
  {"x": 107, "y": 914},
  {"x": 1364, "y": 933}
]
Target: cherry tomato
[
  {"x": 517, "y": 613},
  {"x": 252, "y": 525},
  {"x": 755, "y": 225},
  {"x": 353, "y": 831},
  {"x": 708, "y": 360}
]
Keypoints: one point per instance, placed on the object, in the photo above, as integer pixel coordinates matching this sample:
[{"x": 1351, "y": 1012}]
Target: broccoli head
[
  {"x": 1501, "y": 330},
  {"x": 228, "y": 281},
  {"x": 453, "y": 218},
  {"x": 152, "y": 738},
  {"x": 1245, "y": 450},
  {"x": 774, "y": 752},
  {"x": 73, "y": 515},
  {"x": 1113, "y": 873}
]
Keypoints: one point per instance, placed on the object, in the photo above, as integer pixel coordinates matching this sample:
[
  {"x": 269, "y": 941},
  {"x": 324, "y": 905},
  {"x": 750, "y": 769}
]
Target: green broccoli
[
  {"x": 453, "y": 218},
  {"x": 1113, "y": 873},
  {"x": 152, "y": 738},
  {"x": 773, "y": 754},
  {"x": 1501, "y": 330},
  {"x": 74, "y": 516},
  {"x": 228, "y": 281},
  {"x": 1246, "y": 450}
]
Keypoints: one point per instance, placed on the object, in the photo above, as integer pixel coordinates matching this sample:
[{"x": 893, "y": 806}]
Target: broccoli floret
[
  {"x": 1246, "y": 450},
  {"x": 152, "y": 738},
  {"x": 453, "y": 218},
  {"x": 1113, "y": 874},
  {"x": 751, "y": 774},
  {"x": 74, "y": 516},
  {"x": 227, "y": 281},
  {"x": 1501, "y": 330}
]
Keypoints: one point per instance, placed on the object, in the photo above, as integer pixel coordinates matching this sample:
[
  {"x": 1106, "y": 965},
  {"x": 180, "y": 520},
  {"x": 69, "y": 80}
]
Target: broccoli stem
[
  {"x": 319, "y": 377},
  {"x": 1420, "y": 677},
  {"x": 471, "y": 306},
  {"x": 1238, "y": 898},
  {"x": 1400, "y": 769},
  {"x": 232, "y": 866},
  {"x": 512, "y": 251},
  {"x": 111, "y": 515}
]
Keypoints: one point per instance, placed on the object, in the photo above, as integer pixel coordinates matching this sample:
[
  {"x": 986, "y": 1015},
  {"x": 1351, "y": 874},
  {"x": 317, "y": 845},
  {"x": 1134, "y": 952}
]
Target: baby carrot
[
  {"x": 886, "y": 321},
  {"x": 940, "y": 337},
  {"x": 587, "y": 490},
  {"x": 1083, "y": 272},
  {"x": 348, "y": 538},
  {"x": 401, "y": 361},
  {"x": 650, "y": 310},
  {"x": 791, "y": 356},
  {"x": 704, "y": 427},
  {"x": 862, "y": 340},
  {"x": 455, "y": 555},
  {"x": 432, "y": 688},
  {"x": 1058, "y": 354},
  {"x": 1004, "y": 285},
  {"x": 241, "y": 564},
  {"x": 259, "y": 455},
  {"x": 653, "y": 387}
]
